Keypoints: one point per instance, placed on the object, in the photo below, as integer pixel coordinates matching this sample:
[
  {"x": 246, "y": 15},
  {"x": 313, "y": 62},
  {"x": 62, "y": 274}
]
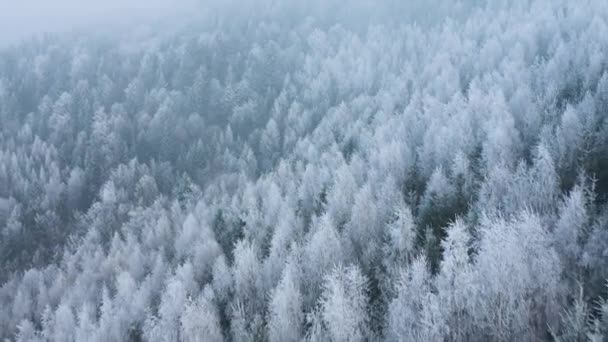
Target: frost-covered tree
[
  {"x": 342, "y": 194},
  {"x": 517, "y": 269},
  {"x": 572, "y": 225},
  {"x": 343, "y": 305},
  {"x": 415, "y": 313},
  {"x": 400, "y": 238},
  {"x": 455, "y": 282},
  {"x": 286, "y": 314},
  {"x": 199, "y": 320},
  {"x": 322, "y": 252},
  {"x": 363, "y": 229}
]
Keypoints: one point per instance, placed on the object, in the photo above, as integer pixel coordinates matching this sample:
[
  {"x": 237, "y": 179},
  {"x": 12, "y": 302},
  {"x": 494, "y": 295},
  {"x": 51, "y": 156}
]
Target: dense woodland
[{"x": 276, "y": 172}]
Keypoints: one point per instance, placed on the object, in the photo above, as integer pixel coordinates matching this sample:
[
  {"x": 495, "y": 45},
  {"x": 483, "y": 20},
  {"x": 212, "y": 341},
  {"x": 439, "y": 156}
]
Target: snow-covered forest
[{"x": 310, "y": 171}]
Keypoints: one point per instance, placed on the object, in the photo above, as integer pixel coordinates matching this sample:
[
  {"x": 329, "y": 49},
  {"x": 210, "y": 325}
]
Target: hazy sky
[{"x": 20, "y": 19}]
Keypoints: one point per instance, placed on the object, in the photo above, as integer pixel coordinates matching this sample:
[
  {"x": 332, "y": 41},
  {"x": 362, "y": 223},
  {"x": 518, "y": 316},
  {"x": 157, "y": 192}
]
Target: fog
[{"x": 20, "y": 20}]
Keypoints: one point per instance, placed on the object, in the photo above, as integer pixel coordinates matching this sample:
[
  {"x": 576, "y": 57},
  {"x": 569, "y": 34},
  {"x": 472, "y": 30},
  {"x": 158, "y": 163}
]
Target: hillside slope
[{"x": 289, "y": 172}]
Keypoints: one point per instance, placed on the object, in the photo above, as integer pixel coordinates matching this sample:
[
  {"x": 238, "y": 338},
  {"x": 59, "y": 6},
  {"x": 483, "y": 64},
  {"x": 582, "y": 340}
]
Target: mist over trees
[{"x": 310, "y": 171}]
